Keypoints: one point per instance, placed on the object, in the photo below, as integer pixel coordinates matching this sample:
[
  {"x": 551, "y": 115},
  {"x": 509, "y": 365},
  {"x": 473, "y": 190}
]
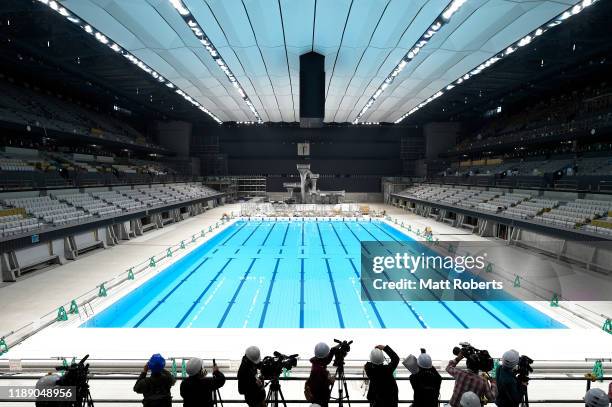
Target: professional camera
[
  {"x": 478, "y": 358},
  {"x": 272, "y": 366},
  {"x": 341, "y": 350},
  {"x": 524, "y": 369},
  {"x": 77, "y": 375}
]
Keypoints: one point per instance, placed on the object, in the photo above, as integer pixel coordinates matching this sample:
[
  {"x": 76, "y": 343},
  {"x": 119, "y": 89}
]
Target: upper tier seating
[
  {"x": 530, "y": 208},
  {"x": 89, "y": 204}
]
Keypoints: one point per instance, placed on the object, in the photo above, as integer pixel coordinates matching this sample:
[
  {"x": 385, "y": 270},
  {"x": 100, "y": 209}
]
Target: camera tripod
[
  {"x": 343, "y": 393},
  {"x": 217, "y": 398},
  {"x": 275, "y": 394}
]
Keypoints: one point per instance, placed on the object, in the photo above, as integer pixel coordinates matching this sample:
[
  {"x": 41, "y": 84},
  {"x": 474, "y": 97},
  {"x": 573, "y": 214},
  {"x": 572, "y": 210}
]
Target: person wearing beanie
[
  {"x": 509, "y": 390},
  {"x": 382, "y": 391},
  {"x": 469, "y": 399},
  {"x": 155, "y": 389},
  {"x": 197, "y": 390},
  {"x": 317, "y": 388},
  {"x": 249, "y": 384},
  {"x": 425, "y": 382}
]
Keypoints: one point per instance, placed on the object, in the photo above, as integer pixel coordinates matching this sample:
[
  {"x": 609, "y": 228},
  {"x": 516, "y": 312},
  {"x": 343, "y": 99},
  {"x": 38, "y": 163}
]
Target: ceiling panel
[{"x": 362, "y": 40}]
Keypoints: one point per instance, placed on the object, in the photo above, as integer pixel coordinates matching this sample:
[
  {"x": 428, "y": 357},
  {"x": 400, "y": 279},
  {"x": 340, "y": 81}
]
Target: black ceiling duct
[{"x": 312, "y": 89}]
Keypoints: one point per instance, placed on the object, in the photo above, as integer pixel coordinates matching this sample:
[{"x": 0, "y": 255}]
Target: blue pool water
[{"x": 298, "y": 274}]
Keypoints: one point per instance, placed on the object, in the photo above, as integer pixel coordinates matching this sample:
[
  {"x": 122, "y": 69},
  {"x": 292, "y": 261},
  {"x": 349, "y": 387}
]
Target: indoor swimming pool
[{"x": 293, "y": 274}]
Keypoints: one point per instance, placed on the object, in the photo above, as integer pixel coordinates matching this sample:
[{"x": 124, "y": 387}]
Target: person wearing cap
[
  {"x": 317, "y": 388},
  {"x": 155, "y": 388},
  {"x": 249, "y": 385},
  {"x": 382, "y": 391},
  {"x": 425, "y": 381},
  {"x": 596, "y": 398},
  {"x": 197, "y": 390},
  {"x": 469, "y": 380},
  {"x": 46, "y": 382},
  {"x": 509, "y": 390}
]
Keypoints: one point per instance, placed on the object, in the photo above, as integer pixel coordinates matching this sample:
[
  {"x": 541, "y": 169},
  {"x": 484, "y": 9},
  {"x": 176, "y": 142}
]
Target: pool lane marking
[
  {"x": 203, "y": 293},
  {"x": 401, "y": 242},
  {"x": 208, "y": 300},
  {"x": 285, "y": 235},
  {"x": 253, "y": 303},
  {"x": 269, "y": 295},
  {"x": 268, "y": 235},
  {"x": 302, "y": 293},
  {"x": 333, "y": 287},
  {"x": 412, "y": 275},
  {"x": 233, "y": 300},
  {"x": 416, "y": 315},
  {"x": 367, "y": 293},
  {"x": 320, "y": 238},
  {"x": 338, "y": 236},
  {"x": 160, "y": 302},
  {"x": 303, "y": 233},
  {"x": 359, "y": 240},
  {"x": 252, "y": 233},
  {"x": 233, "y": 234}
]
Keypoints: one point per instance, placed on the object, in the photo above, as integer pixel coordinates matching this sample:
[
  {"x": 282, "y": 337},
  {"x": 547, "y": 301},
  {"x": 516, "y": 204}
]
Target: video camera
[
  {"x": 341, "y": 350},
  {"x": 272, "y": 366},
  {"x": 524, "y": 369},
  {"x": 77, "y": 375},
  {"x": 476, "y": 358}
]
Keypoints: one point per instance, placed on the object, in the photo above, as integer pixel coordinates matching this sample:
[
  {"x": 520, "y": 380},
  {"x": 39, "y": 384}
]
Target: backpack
[{"x": 308, "y": 391}]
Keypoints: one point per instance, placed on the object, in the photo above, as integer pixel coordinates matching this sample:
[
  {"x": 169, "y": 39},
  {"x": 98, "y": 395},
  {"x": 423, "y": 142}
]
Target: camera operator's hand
[
  {"x": 215, "y": 368},
  {"x": 145, "y": 369},
  {"x": 459, "y": 357},
  {"x": 381, "y": 347}
]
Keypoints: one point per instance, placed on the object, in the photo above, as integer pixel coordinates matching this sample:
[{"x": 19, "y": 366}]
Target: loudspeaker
[{"x": 312, "y": 89}]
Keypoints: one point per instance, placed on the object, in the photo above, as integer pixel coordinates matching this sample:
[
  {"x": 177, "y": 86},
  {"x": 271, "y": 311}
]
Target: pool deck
[{"x": 22, "y": 302}]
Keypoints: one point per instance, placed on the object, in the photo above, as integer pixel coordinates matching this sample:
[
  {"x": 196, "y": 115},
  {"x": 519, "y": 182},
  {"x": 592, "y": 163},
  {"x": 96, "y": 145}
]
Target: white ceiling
[{"x": 362, "y": 40}]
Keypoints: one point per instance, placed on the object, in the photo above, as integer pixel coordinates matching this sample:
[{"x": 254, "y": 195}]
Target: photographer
[
  {"x": 249, "y": 385},
  {"x": 383, "y": 387},
  {"x": 46, "y": 382},
  {"x": 197, "y": 389},
  {"x": 510, "y": 391},
  {"x": 156, "y": 388},
  {"x": 469, "y": 380},
  {"x": 596, "y": 398},
  {"x": 318, "y": 386},
  {"x": 425, "y": 381}
]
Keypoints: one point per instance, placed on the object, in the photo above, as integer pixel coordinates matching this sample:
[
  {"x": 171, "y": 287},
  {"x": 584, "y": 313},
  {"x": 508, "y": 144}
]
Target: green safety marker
[
  {"x": 210, "y": 228},
  {"x": 74, "y": 307},
  {"x": 451, "y": 248},
  {"x": 169, "y": 252},
  {"x": 102, "y": 291},
  {"x": 489, "y": 268},
  {"x": 217, "y": 225},
  {"x": 193, "y": 239},
  {"x": 131, "y": 274},
  {"x": 395, "y": 220},
  {"x": 173, "y": 371},
  {"x": 61, "y": 314},
  {"x": 182, "y": 244},
  {"x": 517, "y": 281},
  {"x": 152, "y": 262},
  {"x": 409, "y": 228},
  {"x": 554, "y": 301},
  {"x": 183, "y": 369},
  {"x": 418, "y": 232},
  {"x": 607, "y": 326},
  {"x": 3, "y": 347},
  {"x": 437, "y": 243},
  {"x": 286, "y": 373},
  {"x": 402, "y": 225},
  {"x": 598, "y": 371},
  {"x": 202, "y": 233}
]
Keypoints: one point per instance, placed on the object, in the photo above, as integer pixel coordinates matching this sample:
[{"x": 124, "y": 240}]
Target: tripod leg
[
  {"x": 282, "y": 397},
  {"x": 348, "y": 400}
]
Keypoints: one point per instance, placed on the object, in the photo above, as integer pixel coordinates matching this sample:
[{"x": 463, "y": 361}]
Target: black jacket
[
  {"x": 155, "y": 389},
  {"x": 197, "y": 391},
  {"x": 509, "y": 390},
  {"x": 426, "y": 387},
  {"x": 319, "y": 380},
  {"x": 248, "y": 384},
  {"x": 383, "y": 387}
]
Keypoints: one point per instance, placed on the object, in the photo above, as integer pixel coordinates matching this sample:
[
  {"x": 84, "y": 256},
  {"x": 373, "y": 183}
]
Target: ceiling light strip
[
  {"x": 103, "y": 39},
  {"x": 438, "y": 23},
  {"x": 571, "y": 11},
  {"x": 198, "y": 31}
]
